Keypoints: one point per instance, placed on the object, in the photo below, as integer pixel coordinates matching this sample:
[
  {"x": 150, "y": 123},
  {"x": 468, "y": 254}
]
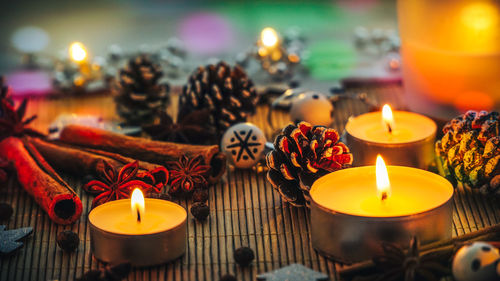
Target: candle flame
[
  {"x": 77, "y": 52},
  {"x": 137, "y": 204},
  {"x": 269, "y": 37},
  {"x": 383, "y": 184},
  {"x": 387, "y": 118}
]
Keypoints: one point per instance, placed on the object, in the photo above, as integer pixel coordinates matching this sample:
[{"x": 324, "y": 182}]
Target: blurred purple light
[{"x": 205, "y": 33}]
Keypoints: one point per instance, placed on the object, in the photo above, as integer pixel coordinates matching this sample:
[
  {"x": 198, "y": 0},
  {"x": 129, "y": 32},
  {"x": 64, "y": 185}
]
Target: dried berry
[
  {"x": 200, "y": 211},
  {"x": 6, "y": 211},
  {"x": 200, "y": 195},
  {"x": 228, "y": 277},
  {"x": 68, "y": 240},
  {"x": 108, "y": 273},
  {"x": 244, "y": 256}
]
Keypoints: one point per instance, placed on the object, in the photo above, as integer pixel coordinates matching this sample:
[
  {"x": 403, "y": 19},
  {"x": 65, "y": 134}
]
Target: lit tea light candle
[
  {"x": 141, "y": 231},
  {"x": 401, "y": 137},
  {"x": 269, "y": 44},
  {"x": 354, "y": 210},
  {"x": 77, "y": 52}
]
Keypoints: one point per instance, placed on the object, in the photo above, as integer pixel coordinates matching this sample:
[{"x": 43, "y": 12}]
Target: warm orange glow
[
  {"x": 269, "y": 37},
  {"x": 479, "y": 16},
  {"x": 137, "y": 204},
  {"x": 383, "y": 184},
  {"x": 77, "y": 52},
  {"x": 387, "y": 118}
]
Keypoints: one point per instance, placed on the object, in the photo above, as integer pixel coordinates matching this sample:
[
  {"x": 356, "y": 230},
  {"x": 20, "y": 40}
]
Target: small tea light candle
[
  {"x": 141, "y": 231},
  {"x": 401, "y": 137},
  {"x": 354, "y": 210}
]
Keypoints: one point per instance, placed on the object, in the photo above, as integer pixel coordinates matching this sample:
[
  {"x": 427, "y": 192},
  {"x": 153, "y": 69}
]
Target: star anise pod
[
  {"x": 192, "y": 128},
  {"x": 12, "y": 121},
  {"x": 115, "y": 185},
  {"x": 394, "y": 264},
  {"x": 188, "y": 174}
]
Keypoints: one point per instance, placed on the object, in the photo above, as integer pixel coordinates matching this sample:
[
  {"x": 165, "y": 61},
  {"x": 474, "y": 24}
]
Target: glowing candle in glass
[{"x": 451, "y": 54}]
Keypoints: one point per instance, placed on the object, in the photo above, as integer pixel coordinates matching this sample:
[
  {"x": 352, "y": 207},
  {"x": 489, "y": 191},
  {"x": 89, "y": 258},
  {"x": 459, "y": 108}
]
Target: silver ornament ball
[
  {"x": 244, "y": 144},
  {"x": 312, "y": 107}
]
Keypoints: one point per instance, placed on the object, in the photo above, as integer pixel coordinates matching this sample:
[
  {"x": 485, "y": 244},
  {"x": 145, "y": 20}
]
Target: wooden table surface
[{"x": 244, "y": 211}]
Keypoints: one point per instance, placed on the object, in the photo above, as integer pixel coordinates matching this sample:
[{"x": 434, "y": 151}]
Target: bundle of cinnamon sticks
[{"x": 81, "y": 151}]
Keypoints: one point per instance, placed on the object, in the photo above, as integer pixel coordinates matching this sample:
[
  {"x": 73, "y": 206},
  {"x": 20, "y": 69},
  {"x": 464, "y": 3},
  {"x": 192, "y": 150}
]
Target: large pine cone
[
  {"x": 301, "y": 155},
  {"x": 228, "y": 94},
  {"x": 470, "y": 150},
  {"x": 140, "y": 96}
]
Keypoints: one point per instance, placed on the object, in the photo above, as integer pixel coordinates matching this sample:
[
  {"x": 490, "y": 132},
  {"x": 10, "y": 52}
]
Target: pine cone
[
  {"x": 140, "y": 96},
  {"x": 228, "y": 93},
  {"x": 470, "y": 150},
  {"x": 5, "y": 93},
  {"x": 302, "y": 154}
]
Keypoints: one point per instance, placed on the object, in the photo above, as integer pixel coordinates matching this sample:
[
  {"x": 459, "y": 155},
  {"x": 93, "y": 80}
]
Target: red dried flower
[
  {"x": 116, "y": 185},
  {"x": 187, "y": 174}
]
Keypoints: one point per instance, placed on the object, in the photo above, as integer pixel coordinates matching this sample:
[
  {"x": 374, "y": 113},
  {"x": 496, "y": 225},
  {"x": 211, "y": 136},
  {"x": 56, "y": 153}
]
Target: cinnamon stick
[
  {"x": 38, "y": 178},
  {"x": 81, "y": 161},
  {"x": 143, "y": 149}
]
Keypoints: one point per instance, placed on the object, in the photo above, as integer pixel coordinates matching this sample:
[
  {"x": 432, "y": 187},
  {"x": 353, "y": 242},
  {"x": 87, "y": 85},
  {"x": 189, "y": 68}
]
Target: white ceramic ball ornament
[
  {"x": 244, "y": 144},
  {"x": 476, "y": 262},
  {"x": 312, "y": 107}
]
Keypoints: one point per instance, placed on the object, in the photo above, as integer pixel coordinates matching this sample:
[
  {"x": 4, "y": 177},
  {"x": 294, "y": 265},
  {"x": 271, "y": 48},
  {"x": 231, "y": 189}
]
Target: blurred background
[{"x": 207, "y": 28}]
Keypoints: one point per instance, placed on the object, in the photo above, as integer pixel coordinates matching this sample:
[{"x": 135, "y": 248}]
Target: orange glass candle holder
[{"x": 451, "y": 55}]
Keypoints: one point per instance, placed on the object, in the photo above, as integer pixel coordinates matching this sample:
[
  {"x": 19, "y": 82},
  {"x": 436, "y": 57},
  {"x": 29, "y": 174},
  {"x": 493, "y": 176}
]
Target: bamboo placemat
[{"x": 244, "y": 211}]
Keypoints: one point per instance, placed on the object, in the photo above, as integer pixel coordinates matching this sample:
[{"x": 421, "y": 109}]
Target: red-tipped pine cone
[{"x": 302, "y": 154}]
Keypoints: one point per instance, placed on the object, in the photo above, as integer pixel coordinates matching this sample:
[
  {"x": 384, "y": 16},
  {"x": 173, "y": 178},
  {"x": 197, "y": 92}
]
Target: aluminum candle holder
[
  {"x": 410, "y": 143},
  {"x": 350, "y": 237},
  {"x": 157, "y": 245}
]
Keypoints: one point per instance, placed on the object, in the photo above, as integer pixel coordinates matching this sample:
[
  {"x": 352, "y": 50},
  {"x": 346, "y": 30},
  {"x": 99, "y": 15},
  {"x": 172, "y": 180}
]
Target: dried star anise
[
  {"x": 395, "y": 264},
  {"x": 12, "y": 122},
  {"x": 192, "y": 128},
  {"x": 116, "y": 185},
  {"x": 187, "y": 174}
]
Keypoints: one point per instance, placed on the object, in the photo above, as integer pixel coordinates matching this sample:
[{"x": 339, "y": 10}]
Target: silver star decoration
[
  {"x": 293, "y": 272},
  {"x": 8, "y": 238}
]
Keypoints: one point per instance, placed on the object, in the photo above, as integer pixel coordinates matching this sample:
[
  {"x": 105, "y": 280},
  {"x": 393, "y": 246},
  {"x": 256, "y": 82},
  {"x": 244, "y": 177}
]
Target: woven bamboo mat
[{"x": 244, "y": 211}]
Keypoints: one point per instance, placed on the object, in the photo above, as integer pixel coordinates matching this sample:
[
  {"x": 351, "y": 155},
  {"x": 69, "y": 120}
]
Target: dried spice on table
[
  {"x": 470, "y": 150},
  {"x": 188, "y": 174},
  {"x": 157, "y": 152},
  {"x": 302, "y": 154},
  {"x": 118, "y": 184},
  {"x": 192, "y": 128}
]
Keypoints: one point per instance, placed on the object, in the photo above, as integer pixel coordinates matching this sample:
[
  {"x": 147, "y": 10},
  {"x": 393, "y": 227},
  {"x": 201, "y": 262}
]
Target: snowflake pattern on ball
[{"x": 244, "y": 141}]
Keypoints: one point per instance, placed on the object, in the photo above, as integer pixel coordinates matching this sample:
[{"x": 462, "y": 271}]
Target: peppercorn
[
  {"x": 68, "y": 240},
  {"x": 6, "y": 211},
  {"x": 200, "y": 195},
  {"x": 200, "y": 211},
  {"x": 228, "y": 277},
  {"x": 244, "y": 256}
]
